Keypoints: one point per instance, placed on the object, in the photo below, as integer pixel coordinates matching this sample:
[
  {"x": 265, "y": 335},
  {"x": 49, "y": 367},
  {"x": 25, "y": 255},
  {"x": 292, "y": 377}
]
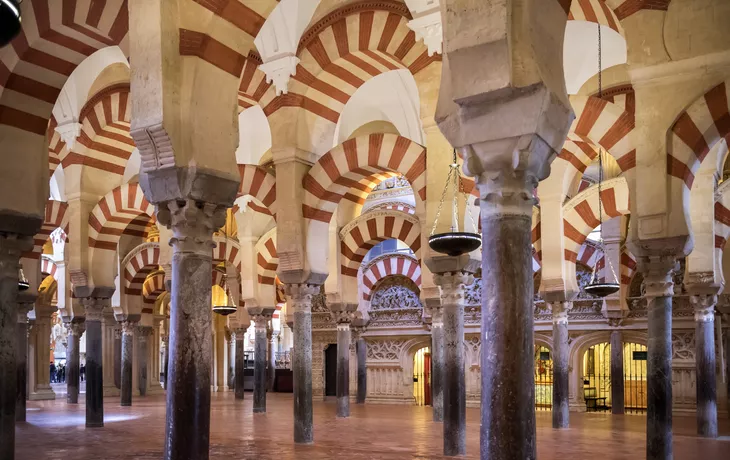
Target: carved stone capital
[
  {"x": 76, "y": 328},
  {"x": 192, "y": 223},
  {"x": 560, "y": 311},
  {"x": 11, "y": 247},
  {"x": 279, "y": 71},
  {"x": 69, "y": 132},
  {"x": 658, "y": 271},
  {"x": 344, "y": 317},
  {"x": 128, "y": 327},
  {"x": 704, "y": 307},
  {"x": 94, "y": 307},
  {"x": 429, "y": 29},
  {"x": 260, "y": 321},
  {"x": 238, "y": 333},
  {"x": 453, "y": 287},
  {"x": 144, "y": 331},
  {"x": 301, "y": 296}
]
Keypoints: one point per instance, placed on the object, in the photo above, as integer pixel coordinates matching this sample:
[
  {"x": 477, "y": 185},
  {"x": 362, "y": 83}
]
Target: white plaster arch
[
  {"x": 254, "y": 136},
  {"x": 391, "y": 96},
  {"x": 131, "y": 170},
  {"x": 58, "y": 185},
  {"x": 580, "y": 52}
]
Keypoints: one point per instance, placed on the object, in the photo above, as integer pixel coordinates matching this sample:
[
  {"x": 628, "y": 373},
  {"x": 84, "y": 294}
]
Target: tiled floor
[{"x": 55, "y": 430}]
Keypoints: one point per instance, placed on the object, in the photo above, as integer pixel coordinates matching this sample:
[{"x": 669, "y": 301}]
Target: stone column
[
  {"x": 143, "y": 337},
  {"x": 300, "y": 296},
  {"x": 617, "y": 373},
  {"x": 25, "y": 305},
  {"x": 231, "y": 337},
  {"x": 271, "y": 357},
  {"x": 240, "y": 364},
  {"x": 165, "y": 358},
  {"x": 117, "y": 358},
  {"x": 94, "y": 307},
  {"x": 43, "y": 390},
  {"x": 259, "y": 366},
  {"x": 344, "y": 319},
  {"x": 362, "y": 373},
  {"x": 659, "y": 289},
  {"x": 704, "y": 307},
  {"x": 187, "y": 433},
  {"x": 128, "y": 328},
  {"x": 11, "y": 247},
  {"x": 452, "y": 275},
  {"x": 437, "y": 358},
  {"x": 75, "y": 329},
  {"x": 561, "y": 398}
]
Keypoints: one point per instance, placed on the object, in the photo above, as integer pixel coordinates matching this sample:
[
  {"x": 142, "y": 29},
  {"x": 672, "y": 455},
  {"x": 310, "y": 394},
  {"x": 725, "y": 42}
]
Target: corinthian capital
[
  {"x": 453, "y": 286},
  {"x": 76, "y": 328},
  {"x": 192, "y": 223},
  {"x": 658, "y": 271},
  {"x": 301, "y": 296},
  {"x": 11, "y": 247},
  {"x": 704, "y": 307}
]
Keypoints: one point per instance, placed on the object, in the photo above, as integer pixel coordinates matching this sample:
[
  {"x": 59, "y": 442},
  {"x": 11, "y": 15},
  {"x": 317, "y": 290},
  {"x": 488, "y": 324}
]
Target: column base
[
  {"x": 112, "y": 391},
  {"x": 125, "y": 404},
  {"x": 42, "y": 394},
  {"x": 258, "y": 410},
  {"x": 95, "y": 425}
]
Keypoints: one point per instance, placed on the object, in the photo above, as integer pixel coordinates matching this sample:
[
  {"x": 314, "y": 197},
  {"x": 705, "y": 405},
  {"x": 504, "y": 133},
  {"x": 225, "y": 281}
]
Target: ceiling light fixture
[{"x": 9, "y": 20}]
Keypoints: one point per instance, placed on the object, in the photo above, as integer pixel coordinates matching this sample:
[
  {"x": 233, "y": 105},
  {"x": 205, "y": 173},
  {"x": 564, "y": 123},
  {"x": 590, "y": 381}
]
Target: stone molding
[{"x": 279, "y": 71}]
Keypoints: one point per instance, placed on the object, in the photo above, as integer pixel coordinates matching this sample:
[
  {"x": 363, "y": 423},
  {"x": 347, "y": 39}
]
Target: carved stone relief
[{"x": 683, "y": 345}]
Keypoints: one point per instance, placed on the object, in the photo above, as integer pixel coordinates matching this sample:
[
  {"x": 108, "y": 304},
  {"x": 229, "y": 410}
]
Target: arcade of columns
[{"x": 190, "y": 140}]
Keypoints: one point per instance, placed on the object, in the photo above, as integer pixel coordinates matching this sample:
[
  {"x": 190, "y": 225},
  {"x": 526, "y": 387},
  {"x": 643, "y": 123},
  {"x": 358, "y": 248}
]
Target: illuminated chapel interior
[{"x": 321, "y": 229}]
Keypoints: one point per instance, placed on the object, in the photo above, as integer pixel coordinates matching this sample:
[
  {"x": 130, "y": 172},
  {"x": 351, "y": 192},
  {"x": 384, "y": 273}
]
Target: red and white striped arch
[
  {"x": 267, "y": 259},
  {"x": 218, "y": 278},
  {"x": 143, "y": 259},
  {"x": 260, "y": 184},
  {"x": 124, "y": 210},
  {"x": 350, "y": 169},
  {"x": 722, "y": 222},
  {"x": 580, "y": 214},
  {"x": 55, "y": 218},
  {"x": 227, "y": 250},
  {"x": 596, "y": 11},
  {"x": 153, "y": 287},
  {"x": 394, "y": 264},
  {"x": 56, "y": 37},
  {"x": 395, "y": 206},
  {"x": 253, "y": 85},
  {"x": 362, "y": 234},
  {"x": 341, "y": 52},
  {"x": 56, "y": 146},
  {"x": 48, "y": 267},
  {"x": 695, "y": 132},
  {"x": 536, "y": 240},
  {"x": 603, "y": 123},
  {"x": 104, "y": 142},
  {"x": 628, "y": 266},
  {"x": 590, "y": 254}
]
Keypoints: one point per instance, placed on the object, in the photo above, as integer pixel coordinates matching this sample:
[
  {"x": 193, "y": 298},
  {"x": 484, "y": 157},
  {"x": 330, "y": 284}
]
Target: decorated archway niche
[
  {"x": 422, "y": 377},
  {"x": 597, "y": 377}
]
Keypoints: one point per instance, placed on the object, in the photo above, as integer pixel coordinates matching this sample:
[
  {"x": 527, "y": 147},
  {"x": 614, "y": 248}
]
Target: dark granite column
[
  {"x": 128, "y": 328},
  {"x": 271, "y": 374},
  {"x": 452, "y": 285},
  {"x": 240, "y": 364},
  {"x": 659, "y": 288},
  {"x": 75, "y": 329},
  {"x": 231, "y": 337},
  {"x": 118, "y": 358},
  {"x": 259, "y": 365},
  {"x": 165, "y": 358},
  {"x": 94, "y": 307},
  {"x": 561, "y": 398},
  {"x": 437, "y": 362},
  {"x": 617, "y": 373},
  {"x": 187, "y": 427},
  {"x": 11, "y": 247},
  {"x": 508, "y": 388},
  {"x": 362, "y": 372},
  {"x": 26, "y": 300},
  {"x": 301, "y": 360},
  {"x": 343, "y": 365},
  {"x": 704, "y": 307},
  {"x": 143, "y": 337}
]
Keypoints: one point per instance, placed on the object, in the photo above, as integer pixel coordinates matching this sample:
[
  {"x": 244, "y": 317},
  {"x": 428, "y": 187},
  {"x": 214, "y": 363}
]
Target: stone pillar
[
  {"x": 11, "y": 246},
  {"x": 75, "y": 330},
  {"x": 165, "y": 358},
  {"x": 231, "y": 337},
  {"x": 271, "y": 357},
  {"x": 240, "y": 363},
  {"x": 344, "y": 320},
  {"x": 143, "y": 348},
  {"x": 25, "y": 305},
  {"x": 187, "y": 433},
  {"x": 300, "y": 296},
  {"x": 452, "y": 275},
  {"x": 259, "y": 367},
  {"x": 117, "y": 358},
  {"x": 704, "y": 308},
  {"x": 561, "y": 397},
  {"x": 128, "y": 328},
  {"x": 362, "y": 373},
  {"x": 617, "y": 373},
  {"x": 42, "y": 390},
  {"x": 437, "y": 358},
  {"x": 659, "y": 288},
  {"x": 94, "y": 307}
]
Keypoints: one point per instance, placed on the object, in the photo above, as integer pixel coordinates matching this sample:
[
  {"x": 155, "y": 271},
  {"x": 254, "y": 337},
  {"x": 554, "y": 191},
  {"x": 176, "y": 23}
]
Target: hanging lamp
[
  {"x": 598, "y": 288},
  {"x": 454, "y": 243},
  {"x": 9, "y": 20},
  {"x": 229, "y": 306},
  {"x": 23, "y": 283}
]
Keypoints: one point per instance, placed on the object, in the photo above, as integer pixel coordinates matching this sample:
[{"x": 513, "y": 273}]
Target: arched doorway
[
  {"x": 543, "y": 378},
  {"x": 422, "y": 377},
  {"x": 330, "y": 370},
  {"x": 635, "y": 378},
  {"x": 597, "y": 377}
]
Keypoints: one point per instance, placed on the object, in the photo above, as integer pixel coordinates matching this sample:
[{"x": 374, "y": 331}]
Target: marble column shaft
[
  {"x": 362, "y": 373},
  {"x": 117, "y": 354},
  {"x": 507, "y": 337},
  {"x": 232, "y": 362},
  {"x": 706, "y": 384},
  {"x": 240, "y": 364},
  {"x": 21, "y": 366},
  {"x": 143, "y": 349},
  {"x": 437, "y": 364},
  {"x": 343, "y": 368},
  {"x": 659, "y": 289},
  {"x": 75, "y": 330},
  {"x": 259, "y": 368},
  {"x": 94, "y": 308},
  {"x": 301, "y": 360},
  {"x": 187, "y": 427},
  {"x": 271, "y": 375},
  {"x": 561, "y": 397},
  {"x": 452, "y": 286},
  {"x": 617, "y": 371},
  {"x": 128, "y": 328},
  {"x": 165, "y": 359}
]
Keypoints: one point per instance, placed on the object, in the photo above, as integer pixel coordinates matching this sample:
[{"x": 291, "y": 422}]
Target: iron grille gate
[
  {"x": 597, "y": 377},
  {"x": 422, "y": 377},
  {"x": 543, "y": 379},
  {"x": 635, "y": 378}
]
